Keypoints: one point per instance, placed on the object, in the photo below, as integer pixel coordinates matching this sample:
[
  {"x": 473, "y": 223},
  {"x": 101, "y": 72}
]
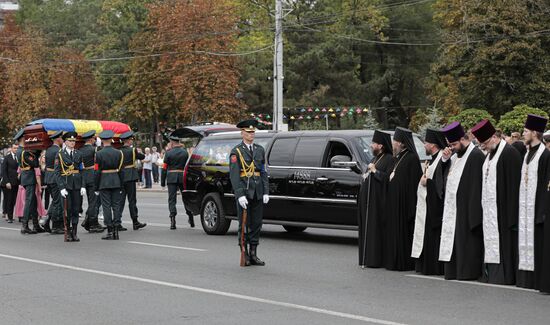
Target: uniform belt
[
  {"x": 243, "y": 174},
  {"x": 129, "y": 166},
  {"x": 25, "y": 168},
  {"x": 50, "y": 169},
  {"x": 175, "y": 171},
  {"x": 89, "y": 168},
  {"x": 109, "y": 171},
  {"x": 70, "y": 172}
]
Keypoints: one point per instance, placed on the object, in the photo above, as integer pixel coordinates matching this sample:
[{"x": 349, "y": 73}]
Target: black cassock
[
  {"x": 401, "y": 211},
  {"x": 372, "y": 210},
  {"x": 467, "y": 257},
  {"x": 428, "y": 262},
  {"x": 508, "y": 179},
  {"x": 535, "y": 279}
]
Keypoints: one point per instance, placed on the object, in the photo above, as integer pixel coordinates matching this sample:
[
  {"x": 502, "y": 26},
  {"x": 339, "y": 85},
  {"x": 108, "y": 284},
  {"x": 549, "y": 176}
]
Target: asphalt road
[{"x": 162, "y": 276}]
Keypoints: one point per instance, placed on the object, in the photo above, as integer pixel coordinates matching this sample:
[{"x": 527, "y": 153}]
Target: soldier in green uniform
[
  {"x": 87, "y": 152},
  {"x": 108, "y": 183},
  {"x": 69, "y": 180},
  {"x": 55, "y": 210},
  {"x": 174, "y": 164},
  {"x": 28, "y": 160},
  {"x": 129, "y": 177},
  {"x": 250, "y": 185}
]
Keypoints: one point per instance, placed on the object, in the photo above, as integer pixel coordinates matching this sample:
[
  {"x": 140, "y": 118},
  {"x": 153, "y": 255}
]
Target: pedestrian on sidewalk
[{"x": 147, "y": 168}]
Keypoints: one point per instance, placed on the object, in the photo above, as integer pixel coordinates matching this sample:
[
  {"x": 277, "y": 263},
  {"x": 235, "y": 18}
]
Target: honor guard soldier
[
  {"x": 129, "y": 178},
  {"x": 87, "y": 152},
  {"x": 108, "y": 183},
  {"x": 174, "y": 164},
  {"x": 250, "y": 185},
  {"x": 69, "y": 181},
  {"x": 55, "y": 210},
  {"x": 28, "y": 160}
]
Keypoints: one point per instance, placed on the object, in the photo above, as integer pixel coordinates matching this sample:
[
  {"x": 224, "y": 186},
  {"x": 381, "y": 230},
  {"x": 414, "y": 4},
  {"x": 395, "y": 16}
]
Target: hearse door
[
  {"x": 279, "y": 160},
  {"x": 338, "y": 187},
  {"x": 303, "y": 207}
]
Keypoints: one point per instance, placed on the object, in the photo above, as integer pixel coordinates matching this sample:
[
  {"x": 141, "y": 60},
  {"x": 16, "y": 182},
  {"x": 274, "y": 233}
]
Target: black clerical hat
[
  {"x": 483, "y": 130},
  {"x": 384, "y": 139},
  {"x": 435, "y": 137},
  {"x": 106, "y": 135},
  {"x": 404, "y": 136},
  {"x": 453, "y": 132},
  {"x": 70, "y": 136},
  {"x": 56, "y": 135},
  {"x": 88, "y": 135},
  {"x": 19, "y": 134},
  {"x": 248, "y": 125},
  {"x": 535, "y": 123}
]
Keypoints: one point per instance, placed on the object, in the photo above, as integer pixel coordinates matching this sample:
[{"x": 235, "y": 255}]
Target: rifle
[
  {"x": 65, "y": 227},
  {"x": 243, "y": 242}
]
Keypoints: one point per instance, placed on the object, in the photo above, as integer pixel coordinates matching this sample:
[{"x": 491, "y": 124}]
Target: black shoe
[
  {"x": 115, "y": 232},
  {"x": 254, "y": 260},
  {"x": 172, "y": 222},
  {"x": 121, "y": 228},
  {"x": 68, "y": 234},
  {"x": 109, "y": 235},
  {"x": 26, "y": 230},
  {"x": 86, "y": 224},
  {"x": 20, "y": 219},
  {"x": 36, "y": 226},
  {"x": 10, "y": 219},
  {"x": 57, "y": 231},
  {"x": 191, "y": 222},
  {"x": 73, "y": 233},
  {"x": 138, "y": 225},
  {"x": 96, "y": 228}
]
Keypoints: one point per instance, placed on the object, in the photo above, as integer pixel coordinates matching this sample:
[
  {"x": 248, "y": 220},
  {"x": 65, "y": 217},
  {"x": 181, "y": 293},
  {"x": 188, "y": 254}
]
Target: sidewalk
[{"x": 155, "y": 188}]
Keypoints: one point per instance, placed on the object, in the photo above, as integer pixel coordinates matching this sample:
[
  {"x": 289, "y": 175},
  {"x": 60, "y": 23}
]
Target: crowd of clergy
[{"x": 475, "y": 211}]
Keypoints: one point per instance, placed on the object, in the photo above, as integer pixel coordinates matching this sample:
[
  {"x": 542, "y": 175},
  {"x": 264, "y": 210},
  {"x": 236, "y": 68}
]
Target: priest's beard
[
  {"x": 376, "y": 152},
  {"x": 460, "y": 152}
]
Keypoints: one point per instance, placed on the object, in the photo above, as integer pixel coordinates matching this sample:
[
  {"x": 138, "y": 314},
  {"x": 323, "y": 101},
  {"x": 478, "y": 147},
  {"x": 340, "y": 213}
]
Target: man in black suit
[{"x": 10, "y": 182}]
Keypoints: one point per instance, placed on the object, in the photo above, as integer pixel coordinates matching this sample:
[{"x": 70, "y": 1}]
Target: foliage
[
  {"x": 514, "y": 120},
  {"x": 470, "y": 117}
]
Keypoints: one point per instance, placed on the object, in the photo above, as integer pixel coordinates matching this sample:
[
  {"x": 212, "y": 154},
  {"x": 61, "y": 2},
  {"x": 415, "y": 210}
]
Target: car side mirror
[{"x": 353, "y": 165}]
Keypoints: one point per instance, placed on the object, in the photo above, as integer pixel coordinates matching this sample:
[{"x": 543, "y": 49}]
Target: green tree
[
  {"x": 470, "y": 117},
  {"x": 494, "y": 54},
  {"x": 514, "y": 120}
]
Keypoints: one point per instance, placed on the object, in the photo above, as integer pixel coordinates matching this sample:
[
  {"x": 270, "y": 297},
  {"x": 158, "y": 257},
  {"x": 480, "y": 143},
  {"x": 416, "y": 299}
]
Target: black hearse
[{"x": 314, "y": 178}]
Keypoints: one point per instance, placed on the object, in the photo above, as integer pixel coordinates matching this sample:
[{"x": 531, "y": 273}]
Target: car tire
[
  {"x": 294, "y": 229},
  {"x": 212, "y": 215}
]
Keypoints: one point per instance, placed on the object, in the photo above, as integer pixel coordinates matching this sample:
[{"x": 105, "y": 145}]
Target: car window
[
  {"x": 363, "y": 144},
  {"x": 216, "y": 152},
  {"x": 420, "y": 148},
  {"x": 339, "y": 150},
  {"x": 309, "y": 152},
  {"x": 282, "y": 152}
]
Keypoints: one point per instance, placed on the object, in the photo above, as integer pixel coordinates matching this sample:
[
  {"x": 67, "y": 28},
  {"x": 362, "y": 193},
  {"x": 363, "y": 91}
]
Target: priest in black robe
[
  {"x": 371, "y": 201},
  {"x": 499, "y": 201},
  {"x": 401, "y": 202},
  {"x": 461, "y": 245},
  {"x": 533, "y": 203},
  {"x": 429, "y": 207}
]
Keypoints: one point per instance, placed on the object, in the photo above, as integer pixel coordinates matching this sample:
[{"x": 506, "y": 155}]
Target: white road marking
[
  {"x": 168, "y": 246},
  {"x": 500, "y": 286},
  {"x": 6, "y": 228},
  {"x": 209, "y": 291}
]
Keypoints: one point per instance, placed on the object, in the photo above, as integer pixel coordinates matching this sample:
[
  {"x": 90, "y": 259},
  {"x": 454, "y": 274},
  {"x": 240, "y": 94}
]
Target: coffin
[{"x": 37, "y": 133}]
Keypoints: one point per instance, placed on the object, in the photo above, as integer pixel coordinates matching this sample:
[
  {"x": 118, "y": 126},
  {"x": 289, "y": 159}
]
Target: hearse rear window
[{"x": 309, "y": 152}]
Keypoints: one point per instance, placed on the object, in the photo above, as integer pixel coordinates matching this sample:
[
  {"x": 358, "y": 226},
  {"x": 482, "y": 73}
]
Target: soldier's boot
[
  {"x": 115, "y": 232},
  {"x": 172, "y": 222},
  {"x": 246, "y": 256},
  {"x": 10, "y": 219},
  {"x": 47, "y": 225},
  {"x": 36, "y": 225},
  {"x": 26, "y": 230},
  {"x": 68, "y": 233},
  {"x": 57, "y": 229},
  {"x": 109, "y": 235},
  {"x": 95, "y": 227},
  {"x": 191, "y": 221},
  {"x": 121, "y": 228},
  {"x": 74, "y": 231},
  {"x": 86, "y": 223},
  {"x": 136, "y": 224},
  {"x": 254, "y": 260}
]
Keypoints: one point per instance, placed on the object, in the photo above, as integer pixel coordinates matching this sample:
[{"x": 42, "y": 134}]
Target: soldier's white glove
[
  {"x": 64, "y": 193},
  {"x": 243, "y": 202},
  {"x": 83, "y": 191},
  {"x": 266, "y": 198},
  {"x": 96, "y": 193}
]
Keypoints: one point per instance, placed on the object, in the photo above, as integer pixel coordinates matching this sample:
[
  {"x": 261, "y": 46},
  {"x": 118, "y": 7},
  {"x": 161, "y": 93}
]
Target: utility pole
[{"x": 278, "y": 76}]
